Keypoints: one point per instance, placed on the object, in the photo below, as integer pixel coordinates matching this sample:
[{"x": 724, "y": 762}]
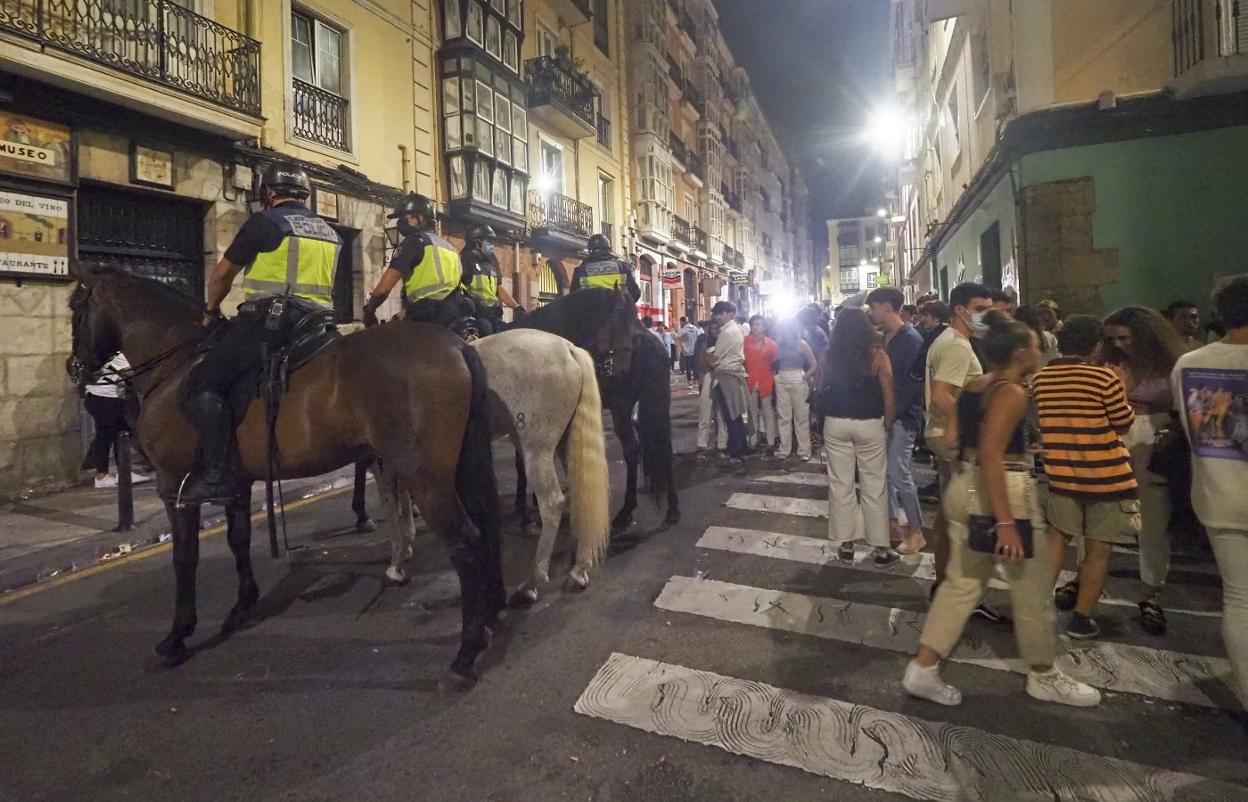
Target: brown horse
[{"x": 412, "y": 394}]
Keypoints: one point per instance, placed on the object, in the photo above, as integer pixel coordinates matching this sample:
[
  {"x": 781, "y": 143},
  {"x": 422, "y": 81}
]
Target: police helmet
[
  {"x": 413, "y": 203},
  {"x": 479, "y": 232},
  {"x": 286, "y": 179},
  {"x": 599, "y": 244}
]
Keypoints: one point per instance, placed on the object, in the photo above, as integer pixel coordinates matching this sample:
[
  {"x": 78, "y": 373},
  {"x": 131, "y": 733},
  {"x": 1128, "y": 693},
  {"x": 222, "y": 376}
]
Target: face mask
[
  {"x": 406, "y": 228},
  {"x": 487, "y": 248},
  {"x": 975, "y": 322}
]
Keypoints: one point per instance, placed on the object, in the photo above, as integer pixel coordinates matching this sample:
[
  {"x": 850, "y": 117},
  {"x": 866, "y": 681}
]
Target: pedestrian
[
  {"x": 709, "y": 417},
  {"x": 951, "y": 363},
  {"x": 669, "y": 342},
  {"x": 856, "y": 401},
  {"x": 902, "y": 344},
  {"x": 814, "y": 329},
  {"x": 933, "y": 319},
  {"x": 1143, "y": 347},
  {"x": 1050, "y": 315},
  {"x": 910, "y": 314},
  {"x": 1005, "y": 302},
  {"x": 1184, "y": 316},
  {"x": 105, "y": 402},
  {"x": 1048, "y": 340},
  {"x": 795, "y": 368},
  {"x": 728, "y": 362},
  {"x": 1220, "y": 465},
  {"x": 686, "y": 343},
  {"x": 760, "y": 353},
  {"x": 995, "y": 522},
  {"x": 1093, "y": 495}
]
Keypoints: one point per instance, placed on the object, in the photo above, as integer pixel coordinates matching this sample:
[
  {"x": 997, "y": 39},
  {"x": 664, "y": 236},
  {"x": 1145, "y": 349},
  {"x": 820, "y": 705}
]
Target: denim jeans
[{"x": 902, "y": 492}]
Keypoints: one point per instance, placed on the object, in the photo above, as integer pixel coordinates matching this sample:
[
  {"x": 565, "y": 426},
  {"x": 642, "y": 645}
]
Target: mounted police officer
[
  {"x": 429, "y": 268},
  {"x": 287, "y": 255},
  {"x": 481, "y": 280},
  {"x": 602, "y": 269}
]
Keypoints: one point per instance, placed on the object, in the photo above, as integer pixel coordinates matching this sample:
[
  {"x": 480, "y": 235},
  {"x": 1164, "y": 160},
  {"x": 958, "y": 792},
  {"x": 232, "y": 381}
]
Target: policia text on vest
[{"x": 303, "y": 264}]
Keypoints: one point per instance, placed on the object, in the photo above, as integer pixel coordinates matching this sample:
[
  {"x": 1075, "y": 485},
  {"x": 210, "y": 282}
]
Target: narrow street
[{"x": 731, "y": 657}]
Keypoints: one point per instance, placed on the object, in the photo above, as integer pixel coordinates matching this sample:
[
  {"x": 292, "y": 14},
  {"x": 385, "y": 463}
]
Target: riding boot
[{"x": 214, "y": 481}]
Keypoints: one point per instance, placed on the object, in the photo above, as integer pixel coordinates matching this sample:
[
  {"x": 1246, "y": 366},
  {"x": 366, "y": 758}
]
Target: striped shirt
[{"x": 1082, "y": 409}]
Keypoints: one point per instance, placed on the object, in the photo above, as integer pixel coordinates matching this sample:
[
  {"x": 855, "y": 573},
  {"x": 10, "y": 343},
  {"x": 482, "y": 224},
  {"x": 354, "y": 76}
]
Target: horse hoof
[
  {"x": 673, "y": 517},
  {"x": 396, "y": 577},
  {"x": 524, "y": 597},
  {"x": 240, "y": 618},
  {"x": 365, "y": 525},
  {"x": 172, "y": 652},
  {"x": 577, "y": 581},
  {"x": 454, "y": 682}
]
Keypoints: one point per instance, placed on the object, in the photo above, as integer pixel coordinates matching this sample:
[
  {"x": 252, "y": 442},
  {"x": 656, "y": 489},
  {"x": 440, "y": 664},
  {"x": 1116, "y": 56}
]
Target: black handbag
[{"x": 982, "y": 528}]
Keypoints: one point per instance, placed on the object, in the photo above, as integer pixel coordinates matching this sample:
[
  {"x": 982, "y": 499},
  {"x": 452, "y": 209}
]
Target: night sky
[{"x": 817, "y": 68}]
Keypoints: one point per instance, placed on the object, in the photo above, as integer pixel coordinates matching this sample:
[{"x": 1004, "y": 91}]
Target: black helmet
[
  {"x": 479, "y": 232},
  {"x": 286, "y": 179},
  {"x": 413, "y": 203},
  {"x": 599, "y": 244}
]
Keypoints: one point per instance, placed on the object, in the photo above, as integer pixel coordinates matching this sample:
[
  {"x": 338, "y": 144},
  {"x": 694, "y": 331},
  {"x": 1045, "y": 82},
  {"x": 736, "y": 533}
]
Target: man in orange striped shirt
[{"x": 1093, "y": 494}]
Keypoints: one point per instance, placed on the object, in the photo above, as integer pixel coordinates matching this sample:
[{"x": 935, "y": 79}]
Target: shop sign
[
  {"x": 35, "y": 149},
  {"x": 326, "y": 204},
  {"x": 34, "y": 236},
  {"x": 739, "y": 278},
  {"x": 672, "y": 277}
]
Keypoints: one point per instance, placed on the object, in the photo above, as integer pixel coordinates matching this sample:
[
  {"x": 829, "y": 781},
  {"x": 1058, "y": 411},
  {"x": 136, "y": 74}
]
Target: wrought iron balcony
[
  {"x": 561, "y": 97},
  {"x": 739, "y": 260},
  {"x": 674, "y": 72},
  {"x": 730, "y": 255},
  {"x": 157, "y": 40},
  {"x": 681, "y": 230},
  {"x": 321, "y": 116},
  {"x": 677, "y": 146},
  {"x": 560, "y": 220},
  {"x": 1208, "y": 30},
  {"x": 693, "y": 97},
  {"x": 604, "y": 132},
  {"x": 700, "y": 241},
  {"x": 697, "y": 165}
]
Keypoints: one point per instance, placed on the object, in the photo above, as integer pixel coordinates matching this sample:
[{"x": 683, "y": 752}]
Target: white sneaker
[
  {"x": 138, "y": 478},
  {"x": 106, "y": 481},
  {"x": 1055, "y": 686},
  {"x": 926, "y": 683}
]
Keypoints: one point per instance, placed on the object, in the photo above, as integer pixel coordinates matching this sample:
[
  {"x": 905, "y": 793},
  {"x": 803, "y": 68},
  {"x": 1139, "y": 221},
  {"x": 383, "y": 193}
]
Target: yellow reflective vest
[
  {"x": 438, "y": 273},
  {"x": 606, "y": 273},
  {"x": 483, "y": 282},
  {"x": 303, "y": 264}
]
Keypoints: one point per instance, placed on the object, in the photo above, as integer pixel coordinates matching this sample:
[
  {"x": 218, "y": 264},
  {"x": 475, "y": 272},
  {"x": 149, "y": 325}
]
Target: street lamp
[{"x": 886, "y": 131}]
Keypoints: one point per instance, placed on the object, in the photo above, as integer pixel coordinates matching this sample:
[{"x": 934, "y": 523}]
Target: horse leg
[
  {"x": 362, "y": 522},
  {"x": 522, "y": 491},
  {"x": 622, "y": 422},
  {"x": 185, "y": 521},
  {"x": 397, "y": 510},
  {"x": 550, "y": 504},
  {"x": 238, "y": 533}
]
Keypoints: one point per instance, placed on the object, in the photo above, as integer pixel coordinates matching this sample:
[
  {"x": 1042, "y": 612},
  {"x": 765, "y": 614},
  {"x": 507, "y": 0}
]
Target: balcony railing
[
  {"x": 321, "y": 116},
  {"x": 696, "y": 165},
  {"x": 153, "y": 39},
  {"x": 678, "y": 149},
  {"x": 681, "y": 230},
  {"x": 553, "y": 211},
  {"x": 739, "y": 260},
  {"x": 730, "y": 255},
  {"x": 700, "y": 241},
  {"x": 1200, "y": 26},
  {"x": 604, "y": 132},
  {"x": 556, "y": 81}
]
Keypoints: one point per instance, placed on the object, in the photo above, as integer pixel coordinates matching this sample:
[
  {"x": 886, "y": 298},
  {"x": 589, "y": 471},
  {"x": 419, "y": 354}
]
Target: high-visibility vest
[
  {"x": 303, "y": 264},
  {"x": 484, "y": 284},
  {"x": 606, "y": 273},
  {"x": 438, "y": 273}
]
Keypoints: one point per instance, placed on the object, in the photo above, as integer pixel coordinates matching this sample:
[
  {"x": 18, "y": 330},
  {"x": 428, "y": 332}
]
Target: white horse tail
[{"x": 588, "y": 482}]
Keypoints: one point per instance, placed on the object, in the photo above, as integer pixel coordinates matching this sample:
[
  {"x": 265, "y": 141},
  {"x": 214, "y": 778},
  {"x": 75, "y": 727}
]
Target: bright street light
[
  {"x": 545, "y": 183},
  {"x": 886, "y": 131},
  {"x": 881, "y": 212},
  {"x": 783, "y": 305}
]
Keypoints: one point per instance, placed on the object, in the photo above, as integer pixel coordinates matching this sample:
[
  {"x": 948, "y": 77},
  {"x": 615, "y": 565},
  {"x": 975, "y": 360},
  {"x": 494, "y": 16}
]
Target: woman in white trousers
[{"x": 795, "y": 365}]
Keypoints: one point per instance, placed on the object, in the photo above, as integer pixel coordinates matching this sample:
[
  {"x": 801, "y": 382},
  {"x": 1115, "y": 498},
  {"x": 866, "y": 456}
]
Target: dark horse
[
  {"x": 413, "y": 394},
  {"x": 633, "y": 373}
]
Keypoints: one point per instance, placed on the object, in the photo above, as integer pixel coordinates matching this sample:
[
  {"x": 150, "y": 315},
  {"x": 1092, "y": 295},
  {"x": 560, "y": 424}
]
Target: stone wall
[{"x": 1060, "y": 258}]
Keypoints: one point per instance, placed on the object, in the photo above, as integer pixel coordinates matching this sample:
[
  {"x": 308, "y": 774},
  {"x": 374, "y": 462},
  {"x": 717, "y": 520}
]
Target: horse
[
  {"x": 543, "y": 394},
  {"x": 413, "y": 394},
  {"x": 634, "y": 373}
]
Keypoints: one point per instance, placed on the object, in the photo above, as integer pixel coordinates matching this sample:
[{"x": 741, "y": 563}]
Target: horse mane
[
  {"x": 164, "y": 294},
  {"x": 580, "y": 313}
]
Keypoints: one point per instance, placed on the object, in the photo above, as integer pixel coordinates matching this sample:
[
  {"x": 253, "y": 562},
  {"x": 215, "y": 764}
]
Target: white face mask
[{"x": 975, "y": 322}]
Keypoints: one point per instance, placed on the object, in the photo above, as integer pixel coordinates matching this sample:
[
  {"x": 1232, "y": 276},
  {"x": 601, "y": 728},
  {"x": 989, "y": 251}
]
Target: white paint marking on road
[
  {"x": 863, "y": 745},
  {"x": 1152, "y": 673},
  {"x": 795, "y": 478},
  {"x": 805, "y": 507},
  {"x": 817, "y": 551}
]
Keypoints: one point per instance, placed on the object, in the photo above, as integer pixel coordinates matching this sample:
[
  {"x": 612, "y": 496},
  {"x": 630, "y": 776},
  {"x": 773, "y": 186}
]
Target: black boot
[{"x": 213, "y": 482}]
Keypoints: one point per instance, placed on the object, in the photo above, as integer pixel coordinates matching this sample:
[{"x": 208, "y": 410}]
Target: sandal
[
  {"x": 1066, "y": 596},
  {"x": 1152, "y": 617}
]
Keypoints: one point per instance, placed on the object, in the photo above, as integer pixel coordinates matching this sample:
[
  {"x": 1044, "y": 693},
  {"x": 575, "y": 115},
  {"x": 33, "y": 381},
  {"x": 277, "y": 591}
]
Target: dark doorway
[
  {"x": 344, "y": 276},
  {"x": 155, "y": 236},
  {"x": 944, "y": 283},
  {"x": 990, "y": 256}
]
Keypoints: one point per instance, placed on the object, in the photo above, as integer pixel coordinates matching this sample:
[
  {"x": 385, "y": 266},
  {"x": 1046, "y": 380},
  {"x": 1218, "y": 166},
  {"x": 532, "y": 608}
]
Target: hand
[
  {"x": 211, "y": 318},
  {"x": 1009, "y": 544},
  {"x": 370, "y": 317}
]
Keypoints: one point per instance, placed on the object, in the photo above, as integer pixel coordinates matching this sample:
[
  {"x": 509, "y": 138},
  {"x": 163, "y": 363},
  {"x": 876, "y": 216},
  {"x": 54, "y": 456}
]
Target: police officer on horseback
[
  {"x": 287, "y": 256},
  {"x": 481, "y": 280},
  {"x": 602, "y": 269},
  {"x": 429, "y": 268}
]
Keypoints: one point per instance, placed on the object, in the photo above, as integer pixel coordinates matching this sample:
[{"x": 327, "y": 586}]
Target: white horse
[{"x": 543, "y": 394}]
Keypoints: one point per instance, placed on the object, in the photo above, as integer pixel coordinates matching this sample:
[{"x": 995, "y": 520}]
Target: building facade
[
  {"x": 857, "y": 250},
  {"x": 1086, "y": 152}
]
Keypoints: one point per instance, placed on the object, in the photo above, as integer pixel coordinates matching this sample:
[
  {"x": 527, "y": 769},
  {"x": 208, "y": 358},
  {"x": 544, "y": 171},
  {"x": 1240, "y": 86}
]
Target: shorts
[
  {"x": 946, "y": 459},
  {"x": 1109, "y": 521}
]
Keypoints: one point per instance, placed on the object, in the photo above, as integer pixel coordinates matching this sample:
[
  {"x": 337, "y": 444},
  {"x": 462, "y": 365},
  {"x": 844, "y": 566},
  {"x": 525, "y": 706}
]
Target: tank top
[
  {"x": 856, "y": 399},
  {"x": 789, "y": 354},
  {"x": 971, "y": 418}
]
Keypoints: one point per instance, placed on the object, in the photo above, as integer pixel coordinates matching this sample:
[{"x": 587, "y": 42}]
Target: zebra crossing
[{"x": 755, "y": 542}]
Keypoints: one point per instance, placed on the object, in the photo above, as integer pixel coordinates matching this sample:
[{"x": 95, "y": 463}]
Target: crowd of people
[{"x": 1045, "y": 431}]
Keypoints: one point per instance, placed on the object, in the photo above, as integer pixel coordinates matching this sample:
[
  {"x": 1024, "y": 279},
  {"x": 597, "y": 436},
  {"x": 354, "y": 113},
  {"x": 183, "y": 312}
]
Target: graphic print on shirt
[{"x": 1216, "y": 405}]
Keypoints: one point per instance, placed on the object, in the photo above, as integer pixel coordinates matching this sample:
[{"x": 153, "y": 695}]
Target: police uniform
[
  {"x": 480, "y": 280},
  {"x": 605, "y": 271},
  {"x": 431, "y": 273}
]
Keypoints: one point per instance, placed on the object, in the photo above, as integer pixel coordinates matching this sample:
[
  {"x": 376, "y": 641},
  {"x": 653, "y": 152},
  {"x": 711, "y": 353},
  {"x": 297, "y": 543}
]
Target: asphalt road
[{"x": 335, "y": 696}]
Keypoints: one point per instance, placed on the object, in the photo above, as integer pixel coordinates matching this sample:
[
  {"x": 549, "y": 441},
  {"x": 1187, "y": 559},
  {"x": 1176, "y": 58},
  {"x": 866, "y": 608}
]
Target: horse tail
[
  {"x": 475, "y": 482},
  {"x": 654, "y": 422},
  {"x": 588, "y": 482}
]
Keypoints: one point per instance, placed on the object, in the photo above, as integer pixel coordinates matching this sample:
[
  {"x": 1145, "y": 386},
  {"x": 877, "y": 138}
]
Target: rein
[{"x": 146, "y": 366}]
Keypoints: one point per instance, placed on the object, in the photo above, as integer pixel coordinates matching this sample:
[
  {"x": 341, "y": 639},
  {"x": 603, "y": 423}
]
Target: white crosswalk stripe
[{"x": 876, "y": 748}]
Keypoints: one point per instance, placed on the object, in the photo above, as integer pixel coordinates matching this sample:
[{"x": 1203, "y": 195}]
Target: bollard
[{"x": 125, "y": 490}]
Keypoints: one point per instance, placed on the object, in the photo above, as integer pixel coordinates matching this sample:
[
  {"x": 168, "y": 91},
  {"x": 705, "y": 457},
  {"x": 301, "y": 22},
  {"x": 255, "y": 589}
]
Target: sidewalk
[{"x": 46, "y": 536}]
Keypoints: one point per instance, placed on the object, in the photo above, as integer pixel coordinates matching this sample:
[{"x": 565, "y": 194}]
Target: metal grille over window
[{"x": 320, "y": 112}]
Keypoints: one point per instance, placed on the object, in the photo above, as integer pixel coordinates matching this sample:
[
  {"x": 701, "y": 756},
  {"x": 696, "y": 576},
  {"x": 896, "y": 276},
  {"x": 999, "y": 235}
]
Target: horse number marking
[{"x": 520, "y": 421}]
